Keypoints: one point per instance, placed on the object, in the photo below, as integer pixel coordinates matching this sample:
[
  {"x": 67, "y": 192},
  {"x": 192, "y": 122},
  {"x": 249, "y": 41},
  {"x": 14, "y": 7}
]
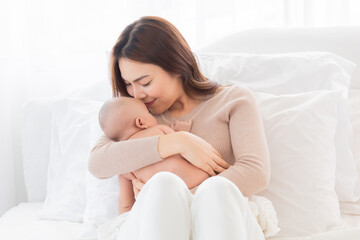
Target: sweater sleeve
[
  {"x": 251, "y": 170},
  {"x": 109, "y": 158}
]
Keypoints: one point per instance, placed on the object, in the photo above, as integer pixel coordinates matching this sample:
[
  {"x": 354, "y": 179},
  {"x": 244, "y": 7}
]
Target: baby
[{"x": 124, "y": 118}]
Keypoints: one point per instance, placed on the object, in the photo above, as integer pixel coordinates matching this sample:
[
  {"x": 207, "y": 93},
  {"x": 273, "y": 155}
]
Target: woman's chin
[{"x": 155, "y": 111}]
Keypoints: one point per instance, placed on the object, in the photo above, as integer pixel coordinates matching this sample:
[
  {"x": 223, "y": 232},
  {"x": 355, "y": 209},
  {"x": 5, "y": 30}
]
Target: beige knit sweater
[{"x": 230, "y": 121}]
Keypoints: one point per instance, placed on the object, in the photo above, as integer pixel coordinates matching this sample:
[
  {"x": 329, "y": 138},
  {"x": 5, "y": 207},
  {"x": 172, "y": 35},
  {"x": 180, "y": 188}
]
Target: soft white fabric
[
  {"x": 300, "y": 129},
  {"x": 354, "y": 108},
  {"x": 36, "y": 128},
  {"x": 36, "y": 125},
  {"x": 69, "y": 152},
  {"x": 102, "y": 196},
  {"x": 166, "y": 209},
  {"x": 294, "y": 73},
  {"x": 265, "y": 214},
  {"x": 279, "y": 73},
  {"x": 340, "y": 40},
  {"x": 23, "y": 217},
  {"x": 21, "y": 223},
  {"x": 102, "y": 206}
]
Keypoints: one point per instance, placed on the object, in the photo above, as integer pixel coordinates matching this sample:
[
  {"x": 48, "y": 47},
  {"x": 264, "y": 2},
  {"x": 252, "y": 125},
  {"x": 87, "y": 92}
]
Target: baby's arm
[{"x": 126, "y": 195}]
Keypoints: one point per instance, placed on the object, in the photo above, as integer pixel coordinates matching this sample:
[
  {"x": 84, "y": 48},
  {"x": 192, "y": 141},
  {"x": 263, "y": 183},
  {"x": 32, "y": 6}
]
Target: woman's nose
[{"x": 138, "y": 93}]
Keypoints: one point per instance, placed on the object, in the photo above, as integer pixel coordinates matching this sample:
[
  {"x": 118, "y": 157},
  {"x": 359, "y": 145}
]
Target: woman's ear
[{"x": 139, "y": 122}]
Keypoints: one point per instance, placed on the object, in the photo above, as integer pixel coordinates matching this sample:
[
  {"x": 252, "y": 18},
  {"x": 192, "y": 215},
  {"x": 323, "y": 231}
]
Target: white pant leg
[
  {"x": 220, "y": 212},
  {"x": 161, "y": 211}
]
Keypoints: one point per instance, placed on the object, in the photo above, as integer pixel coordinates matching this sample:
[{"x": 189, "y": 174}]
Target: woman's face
[{"x": 151, "y": 84}]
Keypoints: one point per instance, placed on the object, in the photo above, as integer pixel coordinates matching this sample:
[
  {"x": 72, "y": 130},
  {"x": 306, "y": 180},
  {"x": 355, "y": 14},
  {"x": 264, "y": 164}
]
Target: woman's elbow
[{"x": 264, "y": 178}]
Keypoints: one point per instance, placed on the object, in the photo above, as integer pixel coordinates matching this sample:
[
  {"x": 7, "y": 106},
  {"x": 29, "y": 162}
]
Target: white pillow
[
  {"x": 300, "y": 129},
  {"x": 69, "y": 152},
  {"x": 279, "y": 73},
  {"x": 294, "y": 73},
  {"x": 101, "y": 197},
  {"x": 35, "y": 138},
  {"x": 36, "y": 128},
  {"x": 354, "y": 105}
]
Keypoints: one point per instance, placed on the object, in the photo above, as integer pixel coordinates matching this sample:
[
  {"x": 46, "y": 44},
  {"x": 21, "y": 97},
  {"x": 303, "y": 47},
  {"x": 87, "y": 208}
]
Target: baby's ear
[{"x": 140, "y": 123}]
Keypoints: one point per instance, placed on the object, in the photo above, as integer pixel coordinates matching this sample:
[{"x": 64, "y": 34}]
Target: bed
[{"x": 308, "y": 88}]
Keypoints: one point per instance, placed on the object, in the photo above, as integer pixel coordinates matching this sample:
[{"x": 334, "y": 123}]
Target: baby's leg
[
  {"x": 126, "y": 195},
  {"x": 176, "y": 164}
]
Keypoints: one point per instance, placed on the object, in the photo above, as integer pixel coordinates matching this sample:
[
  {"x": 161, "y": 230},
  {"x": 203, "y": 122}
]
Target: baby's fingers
[{"x": 138, "y": 183}]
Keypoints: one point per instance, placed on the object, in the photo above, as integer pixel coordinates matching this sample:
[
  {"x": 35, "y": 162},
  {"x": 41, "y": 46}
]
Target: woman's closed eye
[
  {"x": 146, "y": 84},
  {"x": 143, "y": 84}
]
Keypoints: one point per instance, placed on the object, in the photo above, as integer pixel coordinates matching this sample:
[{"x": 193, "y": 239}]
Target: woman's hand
[{"x": 194, "y": 149}]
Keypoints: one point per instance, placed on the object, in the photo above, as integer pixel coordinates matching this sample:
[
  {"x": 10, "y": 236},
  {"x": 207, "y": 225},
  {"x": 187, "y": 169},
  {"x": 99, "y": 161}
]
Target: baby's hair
[
  {"x": 110, "y": 105},
  {"x": 103, "y": 112}
]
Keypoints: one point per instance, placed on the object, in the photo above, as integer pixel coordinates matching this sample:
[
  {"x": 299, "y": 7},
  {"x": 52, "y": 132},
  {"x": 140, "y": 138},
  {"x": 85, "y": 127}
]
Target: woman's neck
[{"x": 183, "y": 106}]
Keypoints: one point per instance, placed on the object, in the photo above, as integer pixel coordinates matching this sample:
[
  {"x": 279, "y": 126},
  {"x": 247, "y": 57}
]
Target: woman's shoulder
[{"x": 234, "y": 91}]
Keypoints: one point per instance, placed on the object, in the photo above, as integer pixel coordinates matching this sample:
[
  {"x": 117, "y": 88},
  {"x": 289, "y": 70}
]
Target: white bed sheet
[{"x": 21, "y": 223}]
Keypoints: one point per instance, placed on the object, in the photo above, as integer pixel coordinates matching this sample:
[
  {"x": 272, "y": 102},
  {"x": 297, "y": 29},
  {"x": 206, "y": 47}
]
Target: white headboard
[{"x": 343, "y": 41}]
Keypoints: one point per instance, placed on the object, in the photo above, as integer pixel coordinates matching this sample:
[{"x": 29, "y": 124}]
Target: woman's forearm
[
  {"x": 110, "y": 158},
  {"x": 191, "y": 175},
  {"x": 171, "y": 144},
  {"x": 194, "y": 149}
]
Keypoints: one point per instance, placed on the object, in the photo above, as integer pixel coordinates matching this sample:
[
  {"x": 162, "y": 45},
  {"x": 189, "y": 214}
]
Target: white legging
[{"x": 165, "y": 209}]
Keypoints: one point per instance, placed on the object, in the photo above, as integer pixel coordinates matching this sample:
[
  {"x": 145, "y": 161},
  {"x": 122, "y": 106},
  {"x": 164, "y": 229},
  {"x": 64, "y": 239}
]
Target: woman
[{"x": 151, "y": 61}]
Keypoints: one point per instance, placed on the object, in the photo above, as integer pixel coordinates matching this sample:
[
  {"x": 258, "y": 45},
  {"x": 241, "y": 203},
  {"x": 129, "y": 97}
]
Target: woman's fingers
[
  {"x": 220, "y": 162},
  {"x": 209, "y": 170},
  {"x": 216, "y": 167}
]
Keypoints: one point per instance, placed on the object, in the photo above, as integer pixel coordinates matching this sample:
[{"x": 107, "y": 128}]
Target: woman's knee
[
  {"x": 218, "y": 186},
  {"x": 166, "y": 182}
]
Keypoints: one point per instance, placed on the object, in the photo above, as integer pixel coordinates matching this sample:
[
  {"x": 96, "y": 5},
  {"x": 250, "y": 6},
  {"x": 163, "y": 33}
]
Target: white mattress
[{"x": 21, "y": 223}]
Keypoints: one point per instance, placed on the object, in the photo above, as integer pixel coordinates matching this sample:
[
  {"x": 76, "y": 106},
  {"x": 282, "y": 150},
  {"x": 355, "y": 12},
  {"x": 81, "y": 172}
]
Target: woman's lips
[{"x": 148, "y": 104}]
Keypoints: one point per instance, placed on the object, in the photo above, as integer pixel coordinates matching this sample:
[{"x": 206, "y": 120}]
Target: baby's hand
[{"x": 181, "y": 125}]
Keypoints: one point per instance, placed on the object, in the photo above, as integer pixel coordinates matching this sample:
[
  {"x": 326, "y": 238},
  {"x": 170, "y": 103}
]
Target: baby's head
[{"x": 122, "y": 117}]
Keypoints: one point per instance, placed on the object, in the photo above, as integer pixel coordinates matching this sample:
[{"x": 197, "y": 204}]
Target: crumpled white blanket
[
  {"x": 265, "y": 214},
  {"x": 261, "y": 208}
]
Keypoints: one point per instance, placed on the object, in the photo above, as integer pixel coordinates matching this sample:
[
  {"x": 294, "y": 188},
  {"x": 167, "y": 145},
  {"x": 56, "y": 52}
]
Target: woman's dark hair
[{"x": 156, "y": 41}]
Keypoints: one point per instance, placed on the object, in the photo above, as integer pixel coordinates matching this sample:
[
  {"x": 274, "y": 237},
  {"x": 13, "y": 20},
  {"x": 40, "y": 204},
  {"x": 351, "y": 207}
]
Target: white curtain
[{"x": 48, "y": 47}]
